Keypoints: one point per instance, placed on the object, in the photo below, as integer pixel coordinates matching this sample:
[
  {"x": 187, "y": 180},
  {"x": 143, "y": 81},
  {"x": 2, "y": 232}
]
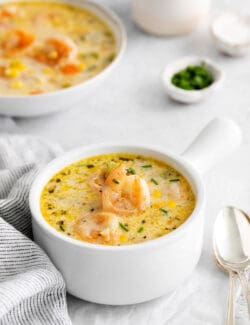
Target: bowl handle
[{"x": 218, "y": 139}]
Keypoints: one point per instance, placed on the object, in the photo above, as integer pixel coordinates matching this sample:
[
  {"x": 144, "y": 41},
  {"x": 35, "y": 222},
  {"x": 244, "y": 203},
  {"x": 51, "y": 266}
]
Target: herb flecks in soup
[
  {"x": 46, "y": 46},
  {"x": 117, "y": 199}
]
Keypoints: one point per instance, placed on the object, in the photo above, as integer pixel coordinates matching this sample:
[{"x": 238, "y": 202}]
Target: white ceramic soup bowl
[
  {"x": 120, "y": 275},
  {"x": 50, "y": 102}
]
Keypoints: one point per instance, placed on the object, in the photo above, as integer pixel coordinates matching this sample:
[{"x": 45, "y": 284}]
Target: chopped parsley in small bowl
[{"x": 191, "y": 79}]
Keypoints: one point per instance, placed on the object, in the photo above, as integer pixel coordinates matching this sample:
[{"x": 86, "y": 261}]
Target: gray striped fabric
[{"x": 32, "y": 291}]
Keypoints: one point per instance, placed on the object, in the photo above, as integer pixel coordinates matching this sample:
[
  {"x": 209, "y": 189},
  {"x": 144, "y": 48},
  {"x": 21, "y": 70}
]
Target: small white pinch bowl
[
  {"x": 190, "y": 96},
  {"x": 50, "y": 102},
  {"x": 232, "y": 47},
  {"x": 121, "y": 275}
]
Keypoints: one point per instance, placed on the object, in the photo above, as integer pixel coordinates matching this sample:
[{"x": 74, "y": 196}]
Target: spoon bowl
[
  {"x": 232, "y": 238},
  {"x": 232, "y": 250}
]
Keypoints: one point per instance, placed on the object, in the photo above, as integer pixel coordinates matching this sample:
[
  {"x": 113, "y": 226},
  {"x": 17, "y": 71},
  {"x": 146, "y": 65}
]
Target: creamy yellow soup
[
  {"x": 46, "y": 46},
  {"x": 117, "y": 199}
]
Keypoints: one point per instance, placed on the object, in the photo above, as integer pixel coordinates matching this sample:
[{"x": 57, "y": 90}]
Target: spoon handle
[
  {"x": 245, "y": 288},
  {"x": 230, "y": 299}
]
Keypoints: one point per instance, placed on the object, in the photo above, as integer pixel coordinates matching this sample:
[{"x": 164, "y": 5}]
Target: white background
[{"x": 131, "y": 105}]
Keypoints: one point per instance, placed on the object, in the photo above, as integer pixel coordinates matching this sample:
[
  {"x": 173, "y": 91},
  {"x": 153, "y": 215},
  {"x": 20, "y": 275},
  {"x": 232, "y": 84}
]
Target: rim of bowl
[
  {"x": 181, "y": 163},
  {"x": 222, "y": 41},
  {"x": 179, "y": 64},
  {"x": 111, "y": 16}
]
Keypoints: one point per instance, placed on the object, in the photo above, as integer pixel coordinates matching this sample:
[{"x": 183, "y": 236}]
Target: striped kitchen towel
[{"x": 32, "y": 291}]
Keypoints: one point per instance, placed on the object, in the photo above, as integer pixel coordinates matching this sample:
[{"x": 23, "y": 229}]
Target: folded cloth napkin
[{"x": 32, "y": 291}]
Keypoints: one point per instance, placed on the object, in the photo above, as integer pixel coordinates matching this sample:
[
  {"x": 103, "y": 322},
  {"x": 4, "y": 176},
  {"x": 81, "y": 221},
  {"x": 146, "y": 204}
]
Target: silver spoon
[
  {"x": 230, "y": 317},
  {"x": 232, "y": 250}
]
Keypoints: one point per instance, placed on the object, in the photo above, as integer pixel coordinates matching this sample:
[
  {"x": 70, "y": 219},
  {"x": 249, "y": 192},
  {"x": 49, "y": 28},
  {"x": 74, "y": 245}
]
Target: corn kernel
[
  {"x": 157, "y": 193},
  {"x": 171, "y": 204},
  {"x": 57, "y": 22},
  {"x": 82, "y": 66},
  {"x": 16, "y": 64},
  {"x": 47, "y": 71},
  {"x": 123, "y": 238},
  {"x": 157, "y": 205},
  {"x": 12, "y": 73},
  {"x": 53, "y": 55},
  {"x": 17, "y": 84}
]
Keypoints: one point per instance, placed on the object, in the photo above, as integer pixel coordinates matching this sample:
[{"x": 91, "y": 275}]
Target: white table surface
[{"x": 131, "y": 105}]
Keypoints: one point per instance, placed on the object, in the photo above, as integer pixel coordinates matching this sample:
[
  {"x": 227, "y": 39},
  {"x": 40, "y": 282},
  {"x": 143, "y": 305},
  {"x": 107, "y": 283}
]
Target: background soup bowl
[
  {"x": 119, "y": 275},
  {"x": 50, "y": 102}
]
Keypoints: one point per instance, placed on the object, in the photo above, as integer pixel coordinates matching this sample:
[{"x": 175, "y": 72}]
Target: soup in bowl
[
  {"x": 117, "y": 199},
  {"x": 52, "y": 47},
  {"x": 47, "y": 46},
  {"x": 92, "y": 207}
]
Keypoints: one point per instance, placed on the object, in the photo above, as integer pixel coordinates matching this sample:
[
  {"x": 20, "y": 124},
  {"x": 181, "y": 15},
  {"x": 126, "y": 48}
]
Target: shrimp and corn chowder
[
  {"x": 47, "y": 46},
  {"x": 117, "y": 199}
]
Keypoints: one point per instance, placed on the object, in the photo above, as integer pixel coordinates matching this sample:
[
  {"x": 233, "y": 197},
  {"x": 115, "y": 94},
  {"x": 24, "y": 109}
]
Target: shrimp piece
[
  {"x": 54, "y": 51},
  {"x": 97, "y": 180},
  {"x": 2, "y": 71},
  {"x": 17, "y": 40},
  {"x": 70, "y": 69},
  {"x": 124, "y": 194},
  {"x": 8, "y": 12},
  {"x": 102, "y": 225}
]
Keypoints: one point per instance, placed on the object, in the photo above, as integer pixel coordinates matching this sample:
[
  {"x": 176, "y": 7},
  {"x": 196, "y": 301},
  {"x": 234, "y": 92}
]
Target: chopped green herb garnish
[
  {"x": 115, "y": 181},
  {"x": 91, "y": 68},
  {"x": 91, "y": 55},
  {"x": 82, "y": 38},
  {"x": 94, "y": 55},
  {"x": 164, "y": 210},
  {"x": 61, "y": 227},
  {"x": 90, "y": 166},
  {"x": 174, "y": 180},
  {"x": 66, "y": 85},
  {"x": 131, "y": 170},
  {"x": 124, "y": 227},
  {"x": 193, "y": 77},
  {"x": 108, "y": 34},
  {"x": 147, "y": 166},
  {"x": 154, "y": 181},
  {"x": 124, "y": 159},
  {"x": 166, "y": 174},
  {"x": 140, "y": 229},
  {"x": 110, "y": 58}
]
